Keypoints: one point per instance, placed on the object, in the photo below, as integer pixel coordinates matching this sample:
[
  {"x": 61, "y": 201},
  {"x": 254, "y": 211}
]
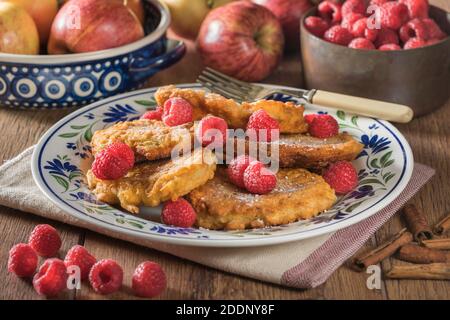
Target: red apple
[
  {"x": 289, "y": 13},
  {"x": 92, "y": 25},
  {"x": 241, "y": 39}
]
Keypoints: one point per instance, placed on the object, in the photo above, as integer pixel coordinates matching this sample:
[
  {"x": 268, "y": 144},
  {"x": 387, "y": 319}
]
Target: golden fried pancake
[
  {"x": 304, "y": 151},
  {"x": 288, "y": 115},
  {"x": 149, "y": 139},
  {"x": 299, "y": 194},
  {"x": 151, "y": 183}
]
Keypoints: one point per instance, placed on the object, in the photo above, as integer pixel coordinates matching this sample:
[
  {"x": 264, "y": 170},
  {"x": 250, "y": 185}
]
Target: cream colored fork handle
[{"x": 365, "y": 107}]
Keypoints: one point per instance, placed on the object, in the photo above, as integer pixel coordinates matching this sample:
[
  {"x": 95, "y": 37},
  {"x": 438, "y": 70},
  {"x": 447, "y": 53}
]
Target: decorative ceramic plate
[{"x": 60, "y": 158}]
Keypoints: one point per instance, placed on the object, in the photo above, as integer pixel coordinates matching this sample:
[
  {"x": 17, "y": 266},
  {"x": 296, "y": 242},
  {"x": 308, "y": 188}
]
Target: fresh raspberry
[
  {"x": 310, "y": 117},
  {"x": 79, "y": 256},
  {"x": 414, "y": 43},
  {"x": 210, "y": 128},
  {"x": 393, "y": 15},
  {"x": 341, "y": 176},
  {"x": 106, "y": 276},
  {"x": 153, "y": 114},
  {"x": 22, "y": 260},
  {"x": 338, "y": 35},
  {"x": 149, "y": 280},
  {"x": 416, "y": 8},
  {"x": 316, "y": 25},
  {"x": 361, "y": 29},
  {"x": 434, "y": 31},
  {"x": 378, "y": 2},
  {"x": 390, "y": 47},
  {"x": 353, "y": 6},
  {"x": 324, "y": 126},
  {"x": 330, "y": 11},
  {"x": 415, "y": 28},
  {"x": 261, "y": 123},
  {"x": 386, "y": 36},
  {"x": 178, "y": 213},
  {"x": 236, "y": 169},
  {"x": 362, "y": 44},
  {"x": 45, "y": 240},
  {"x": 177, "y": 111},
  {"x": 258, "y": 179},
  {"x": 51, "y": 278},
  {"x": 113, "y": 162},
  {"x": 350, "y": 19}
]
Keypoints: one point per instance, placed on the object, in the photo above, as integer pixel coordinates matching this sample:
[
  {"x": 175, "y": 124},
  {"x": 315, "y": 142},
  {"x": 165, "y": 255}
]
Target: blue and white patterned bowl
[{"x": 59, "y": 81}]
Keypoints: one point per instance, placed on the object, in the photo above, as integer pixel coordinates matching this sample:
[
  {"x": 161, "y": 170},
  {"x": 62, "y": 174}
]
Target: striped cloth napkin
[{"x": 301, "y": 264}]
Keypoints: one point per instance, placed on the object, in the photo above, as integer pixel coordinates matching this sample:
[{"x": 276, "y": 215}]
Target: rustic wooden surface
[{"x": 429, "y": 137}]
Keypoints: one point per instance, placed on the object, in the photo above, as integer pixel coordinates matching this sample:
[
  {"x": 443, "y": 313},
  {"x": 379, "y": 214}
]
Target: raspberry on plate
[
  {"x": 330, "y": 11},
  {"x": 22, "y": 260},
  {"x": 149, "y": 280},
  {"x": 390, "y": 47},
  {"x": 45, "y": 240},
  {"x": 386, "y": 36},
  {"x": 236, "y": 169},
  {"x": 341, "y": 176},
  {"x": 310, "y": 117},
  {"x": 338, "y": 35},
  {"x": 353, "y": 6},
  {"x": 350, "y": 19},
  {"x": 362, "y": 44},
  {"x": 51, "y": 278},
  {"x": 258, "y": 179},
  {"x": 415, "y": 28},
  {"x": 361, "y": 29},
  {"x": 153, "y": 114},
  {"x": 210, "y": 129},
  {"x": 416, "y": 8},
  {"x": 324, "y": 126},
  {"x": 113, "y": 162},
  {"x": 263, "y": 125},
  {"x": 414, "y": 43},
  {"x": 316, "y": 25},
  {"x": 434, "y": 31},
  {"x": 79, "y": 256},
  {"x": 393, "y": 15},
  {"x": 178, "y": 213},
  {"x": 177, "y": 111},
  {"x": 106, "y": 276}
]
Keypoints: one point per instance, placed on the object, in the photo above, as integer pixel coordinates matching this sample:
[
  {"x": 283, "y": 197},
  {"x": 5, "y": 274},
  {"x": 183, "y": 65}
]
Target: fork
[{"x": 243, "y": 91}]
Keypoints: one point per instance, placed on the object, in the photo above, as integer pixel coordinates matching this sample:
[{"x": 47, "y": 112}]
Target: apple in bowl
[{"x": 241, "y": 39}]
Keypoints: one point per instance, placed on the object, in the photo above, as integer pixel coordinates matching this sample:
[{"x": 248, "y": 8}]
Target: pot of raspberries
[{"x": 396, "y": 51}]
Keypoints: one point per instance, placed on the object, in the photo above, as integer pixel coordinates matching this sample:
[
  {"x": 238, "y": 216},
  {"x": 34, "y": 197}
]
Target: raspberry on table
[
  {"x": 113, "y": 162},
  {"x": 416, "y": 8},
  {"x": 51, "y": 278},
  {"x": 338, "y": 35},
  {"x": 45, "y": 240},
  {"x": 236, "y": 169},
  {"x": 324, "y": 126},
  {"x": 433, "y": 30},
  {"x": 390, "y": 47},
  {"x": 79, "y": 256},
  {"x": 350, "y": 19},
  {"x": 258, "y": 179},
  {"x": 330, "y": 11},
  {"x": 153, "y": 114},
  {"x": 106, "y": 276},
  {"x": 360, "y": 29},
  {"x": 178, "y": 213},
  {"x": 263, "y": 125},
  {"x": 316, "y": 25},
  {"x": 386, "y": 36},
  {"x": 353, "y": 6},
  {"x": 341, "y": 176},
  {"x": 414, "y": 43},
  {"x": 211, "y": 128},
  {"x": 149, "y": 280},
  {"x": 393, "y": 15},
  {"x": 415, "y": 28},
  {"x": 22, "y": 260},
  {"x": 362, "y": 44},
  {"x": 177, "y": 111}
]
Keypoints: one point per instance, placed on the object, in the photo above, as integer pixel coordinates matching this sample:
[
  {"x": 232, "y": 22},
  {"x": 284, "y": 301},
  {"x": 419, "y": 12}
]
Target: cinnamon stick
[
  {"x": 433, "y": 271},
  {"x": 442, "y": 226},
  {"x": 360, "y": 263},
  {"x": 417, "y": 254},
  {"x": 417, "y": 223},
  {"x": 442, "y": 244}
]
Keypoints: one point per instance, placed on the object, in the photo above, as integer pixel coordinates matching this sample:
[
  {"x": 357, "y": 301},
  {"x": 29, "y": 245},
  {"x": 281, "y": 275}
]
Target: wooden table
[{"x": 429, "y": 139}]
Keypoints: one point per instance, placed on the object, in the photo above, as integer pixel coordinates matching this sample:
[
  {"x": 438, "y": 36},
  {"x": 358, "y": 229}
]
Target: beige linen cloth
[{"x": 300, "y": 264}]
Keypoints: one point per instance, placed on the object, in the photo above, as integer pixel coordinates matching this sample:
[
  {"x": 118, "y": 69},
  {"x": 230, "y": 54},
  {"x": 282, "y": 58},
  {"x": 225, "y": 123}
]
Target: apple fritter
[{"x": 151, "y": 183}]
